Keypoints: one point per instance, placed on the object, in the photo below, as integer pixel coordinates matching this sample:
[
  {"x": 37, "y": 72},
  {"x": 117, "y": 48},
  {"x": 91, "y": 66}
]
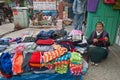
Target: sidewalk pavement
[{"x": 6, "y": 28}]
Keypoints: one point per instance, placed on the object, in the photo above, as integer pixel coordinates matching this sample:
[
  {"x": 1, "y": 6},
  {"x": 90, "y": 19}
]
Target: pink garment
[{"x": 75, "y": 32}]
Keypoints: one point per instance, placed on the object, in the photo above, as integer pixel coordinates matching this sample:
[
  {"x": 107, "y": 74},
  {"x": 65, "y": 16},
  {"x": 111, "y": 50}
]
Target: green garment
[{"x": 76, "y": 58}]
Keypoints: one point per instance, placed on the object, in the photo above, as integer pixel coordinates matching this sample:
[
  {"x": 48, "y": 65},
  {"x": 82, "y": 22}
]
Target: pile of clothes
[{"x": 49, "y": 52}]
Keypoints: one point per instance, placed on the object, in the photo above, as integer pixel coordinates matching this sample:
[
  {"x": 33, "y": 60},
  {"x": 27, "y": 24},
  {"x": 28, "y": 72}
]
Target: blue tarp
[{"x": 55, "y": 76}]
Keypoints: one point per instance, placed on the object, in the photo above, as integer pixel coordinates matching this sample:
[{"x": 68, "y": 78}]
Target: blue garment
[
  {"x": 4, "y": 41},
  {"x": 5, "y": 63},
  {"x": 79, "y": 6},
  {"x": 45, "y": 34},
  {"x": 50, "y": 76},
  {"x": 78, "y": 20},
  {"x": 3, "y": 47},
  {"x": 64, "y": 57}
]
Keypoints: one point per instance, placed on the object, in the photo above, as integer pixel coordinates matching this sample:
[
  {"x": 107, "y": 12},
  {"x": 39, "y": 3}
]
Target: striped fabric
[
  {"x": 51, "y": 55},
  {"x": 64, "y": 57},
  {"x": 75, "y": 69}
]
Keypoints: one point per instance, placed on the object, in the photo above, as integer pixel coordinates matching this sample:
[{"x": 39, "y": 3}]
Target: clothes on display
[{"x": 42, "y": 56}]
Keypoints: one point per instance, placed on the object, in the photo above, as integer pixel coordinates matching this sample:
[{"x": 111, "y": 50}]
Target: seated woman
[{"x": 99, "y": 39}]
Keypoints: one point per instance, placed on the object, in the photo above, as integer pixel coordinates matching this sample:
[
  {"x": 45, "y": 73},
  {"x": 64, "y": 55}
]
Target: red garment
[
  {"x": 45, "y": 42},
  {"x": 6, "y": 75},
  {"x": 75, "y": 69},
  {"x": 110, "y": 1},
  {"x": 36, "y": 58}
]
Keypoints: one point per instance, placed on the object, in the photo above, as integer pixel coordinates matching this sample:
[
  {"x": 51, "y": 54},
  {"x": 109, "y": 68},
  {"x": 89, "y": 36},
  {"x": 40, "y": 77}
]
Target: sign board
[{"x": 44, "y": 4}]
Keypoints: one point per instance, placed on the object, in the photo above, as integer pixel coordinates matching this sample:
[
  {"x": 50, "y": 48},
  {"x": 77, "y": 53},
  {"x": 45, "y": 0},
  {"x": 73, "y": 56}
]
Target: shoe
[
  {"x": 96, "y": 64},
  {"x": 92, "y": 63}
]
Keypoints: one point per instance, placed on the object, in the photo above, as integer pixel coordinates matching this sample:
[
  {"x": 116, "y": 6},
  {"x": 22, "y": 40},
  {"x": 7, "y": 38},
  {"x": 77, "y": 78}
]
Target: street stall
[
  {"x": 45, "y": 13},
  {"x": 48, "y": 55}
]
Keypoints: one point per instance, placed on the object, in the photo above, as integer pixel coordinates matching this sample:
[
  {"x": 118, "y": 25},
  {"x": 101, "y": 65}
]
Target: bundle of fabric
[
  {"x": 45, "y": 41},
  {"x": 29, "y": 39},
  {"x": 36, "y": 60},
  {"x": 68, "y": 45},
  {"x": 5, "y": 65},
  {"x": 61, "y": 67},
  {"x": 4, "y": 41},
  {"x": 76, "y": 35},
  {"x": 45, "y": 34},
  {"x": 51, "y": 55},
  {"x": 44, "y": 48},
  {"x": 17, "y": 40},
  {"x": 63, "y": 39},
  {"x": 3, "y": 47},
  {"x": 75, "y": 63},
  {"x": 59, "y": 33}
]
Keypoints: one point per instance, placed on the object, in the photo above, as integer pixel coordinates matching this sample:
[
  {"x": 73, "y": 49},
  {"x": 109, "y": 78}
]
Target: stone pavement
[
  {"x": 6, "y": 28},
  {"x": 109, "y": 69}
]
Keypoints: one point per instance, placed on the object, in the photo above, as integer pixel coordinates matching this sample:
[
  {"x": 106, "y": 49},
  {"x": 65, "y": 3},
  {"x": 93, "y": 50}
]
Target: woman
[{"x": 100, "y": 40}]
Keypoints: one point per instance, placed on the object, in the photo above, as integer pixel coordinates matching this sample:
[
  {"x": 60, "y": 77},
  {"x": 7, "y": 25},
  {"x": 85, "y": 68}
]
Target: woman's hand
[
  {"x": 106, "y": 38},
  {"x": 95, "y": 40}
]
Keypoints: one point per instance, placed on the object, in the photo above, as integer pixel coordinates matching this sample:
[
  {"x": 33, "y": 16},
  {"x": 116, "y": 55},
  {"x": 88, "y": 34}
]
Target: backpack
[{"x": 110, "y": 1}]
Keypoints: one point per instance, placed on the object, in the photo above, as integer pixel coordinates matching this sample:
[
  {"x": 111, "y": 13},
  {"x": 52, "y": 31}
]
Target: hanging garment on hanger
[{"x": 92, "y": 5}]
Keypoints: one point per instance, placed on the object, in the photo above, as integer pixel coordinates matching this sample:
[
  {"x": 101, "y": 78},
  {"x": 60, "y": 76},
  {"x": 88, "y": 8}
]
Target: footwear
[
  {"x": 92, "y": 63},
  {"x": 96, "y": 64}
]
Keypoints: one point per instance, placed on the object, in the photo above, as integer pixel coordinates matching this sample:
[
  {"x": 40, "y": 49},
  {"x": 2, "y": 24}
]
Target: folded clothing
[
  {"x": 44, "y": 48},
  {"x": 61, "y": 67},
  {"x": 3, "y": 47},
  {"x": 63, "y": 38},
  {"x": 36, "y": 58},
  {"x": 45, "y": 42},
  {"x": 30, "y": 47},
  {"x": 18, "y": 40},
  {"x": 17, "y": 63},
  {"x": 67, "y": 44},
  {"x": 4, "y": 41},
  {"x": 64, "y": 57},
  {"x": 29, "y": 39},
  {"x": 76, "y": 35},
  {"x": 45, "y": 34},
  {"x": 75, "y": 69},
  {"x": 5, "y": 63},
  {"x": 59, "y": 33},
  {"x": 76, "y": 58},
  {"x": 51, "y": 55}
]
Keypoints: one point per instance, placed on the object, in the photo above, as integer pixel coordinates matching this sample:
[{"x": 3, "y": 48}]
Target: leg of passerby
[
  {"x": 75, "y": 21},
  {"x": 81, "y": 18}
]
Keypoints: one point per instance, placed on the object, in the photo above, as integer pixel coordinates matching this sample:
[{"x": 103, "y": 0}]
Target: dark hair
[{"x": 101, "y": 23}]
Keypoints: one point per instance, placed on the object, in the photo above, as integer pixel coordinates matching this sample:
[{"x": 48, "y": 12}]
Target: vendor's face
[{"x": 99, "y": 27}]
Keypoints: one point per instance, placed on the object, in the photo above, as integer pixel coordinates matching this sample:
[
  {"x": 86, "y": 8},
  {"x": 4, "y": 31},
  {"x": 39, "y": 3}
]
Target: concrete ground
[
  {"x": 6, "y": 28},
  {"x": 109, "y": 69}
]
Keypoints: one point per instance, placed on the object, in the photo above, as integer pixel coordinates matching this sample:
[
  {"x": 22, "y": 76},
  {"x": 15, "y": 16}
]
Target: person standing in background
[{"x": 79, "y": 9}]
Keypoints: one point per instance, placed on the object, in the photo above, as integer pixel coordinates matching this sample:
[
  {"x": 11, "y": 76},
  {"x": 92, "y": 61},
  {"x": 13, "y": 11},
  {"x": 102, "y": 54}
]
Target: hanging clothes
[
  {"x": 92, "y": 5},
  {"x": 117, "y": 5},
  {"x": 109, "y": 1}
]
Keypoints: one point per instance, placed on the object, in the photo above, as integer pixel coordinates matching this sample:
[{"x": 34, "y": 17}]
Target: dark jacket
[{"x": 101, "y": 42}]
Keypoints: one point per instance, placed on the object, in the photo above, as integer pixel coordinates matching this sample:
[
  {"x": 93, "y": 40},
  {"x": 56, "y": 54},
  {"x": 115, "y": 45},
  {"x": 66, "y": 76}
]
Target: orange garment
[
  {"x": 62, "y": 62},
  {"x": 17, "y": 63},
  {"x": 35, "y": 65},
  {"x": 51, "y": 55}
]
